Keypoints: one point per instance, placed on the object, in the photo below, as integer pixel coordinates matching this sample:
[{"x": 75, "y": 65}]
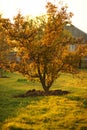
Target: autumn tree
[
  {"x": 4, "y": 47},
  {"x": 43, "y": 45}
]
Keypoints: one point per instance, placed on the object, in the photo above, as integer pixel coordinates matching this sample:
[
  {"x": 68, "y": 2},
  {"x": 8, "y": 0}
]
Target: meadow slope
[{"x": 65, "y": 112}]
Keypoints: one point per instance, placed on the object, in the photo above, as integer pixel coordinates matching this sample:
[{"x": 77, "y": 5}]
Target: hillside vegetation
[{"x": 65, "y": 112}]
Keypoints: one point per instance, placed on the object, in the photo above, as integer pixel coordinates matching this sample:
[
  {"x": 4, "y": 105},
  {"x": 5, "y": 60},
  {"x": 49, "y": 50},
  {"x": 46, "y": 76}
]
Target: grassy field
[{"x": 66, "y": 112}]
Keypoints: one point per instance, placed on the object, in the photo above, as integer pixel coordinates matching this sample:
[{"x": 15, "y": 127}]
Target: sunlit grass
[{"x": 67, "y": 112}]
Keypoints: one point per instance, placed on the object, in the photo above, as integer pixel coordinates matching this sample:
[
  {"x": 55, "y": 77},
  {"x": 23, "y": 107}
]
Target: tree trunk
[
  {"x": 42, "y": 78},
  {"x": 46, "y": 89}
]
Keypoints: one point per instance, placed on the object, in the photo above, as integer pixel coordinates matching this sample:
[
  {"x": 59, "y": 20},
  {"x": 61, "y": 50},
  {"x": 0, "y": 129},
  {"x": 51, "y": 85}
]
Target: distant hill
[{"x": 76, "y": 32}]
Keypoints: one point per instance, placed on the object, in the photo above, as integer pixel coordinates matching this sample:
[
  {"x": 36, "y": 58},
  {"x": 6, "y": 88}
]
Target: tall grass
[{"x": 67, "y": 112}]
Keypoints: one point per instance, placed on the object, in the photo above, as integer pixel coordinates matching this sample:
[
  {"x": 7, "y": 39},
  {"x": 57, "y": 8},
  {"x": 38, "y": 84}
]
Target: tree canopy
[
  {"x": 42, "y": 45},
  {"x": 4, "y": 46}
]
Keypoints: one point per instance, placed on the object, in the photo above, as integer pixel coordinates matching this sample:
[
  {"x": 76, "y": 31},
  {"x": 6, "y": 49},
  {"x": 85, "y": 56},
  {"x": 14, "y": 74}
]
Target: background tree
[
  {"x": 43, "y": 46},
  {"x": 4, "y": 47}
]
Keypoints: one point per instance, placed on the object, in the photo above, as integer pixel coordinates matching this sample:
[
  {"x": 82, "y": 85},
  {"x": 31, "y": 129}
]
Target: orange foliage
[
  {"x": 4, "y": 46},
  {"x": 42, "y": 45}
]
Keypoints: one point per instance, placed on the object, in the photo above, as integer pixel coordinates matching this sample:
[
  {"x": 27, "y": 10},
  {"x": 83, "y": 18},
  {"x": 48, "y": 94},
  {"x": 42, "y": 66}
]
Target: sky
[{"x": 9, "y": 8}]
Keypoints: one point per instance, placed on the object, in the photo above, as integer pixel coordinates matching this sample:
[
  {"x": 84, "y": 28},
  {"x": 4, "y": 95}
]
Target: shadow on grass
[
  {"x": 10, "y": 105},
  {"x": 13, "y": 128},
  {"x": 79, "y": 99}
]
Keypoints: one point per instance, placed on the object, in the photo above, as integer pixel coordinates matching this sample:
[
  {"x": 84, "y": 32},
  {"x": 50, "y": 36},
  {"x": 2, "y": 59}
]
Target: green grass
[{"x": 67, "y": 112}]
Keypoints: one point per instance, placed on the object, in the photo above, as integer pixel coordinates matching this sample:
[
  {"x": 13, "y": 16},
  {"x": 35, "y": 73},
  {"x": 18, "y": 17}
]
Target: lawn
[{"x": 65, "y": 112}]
